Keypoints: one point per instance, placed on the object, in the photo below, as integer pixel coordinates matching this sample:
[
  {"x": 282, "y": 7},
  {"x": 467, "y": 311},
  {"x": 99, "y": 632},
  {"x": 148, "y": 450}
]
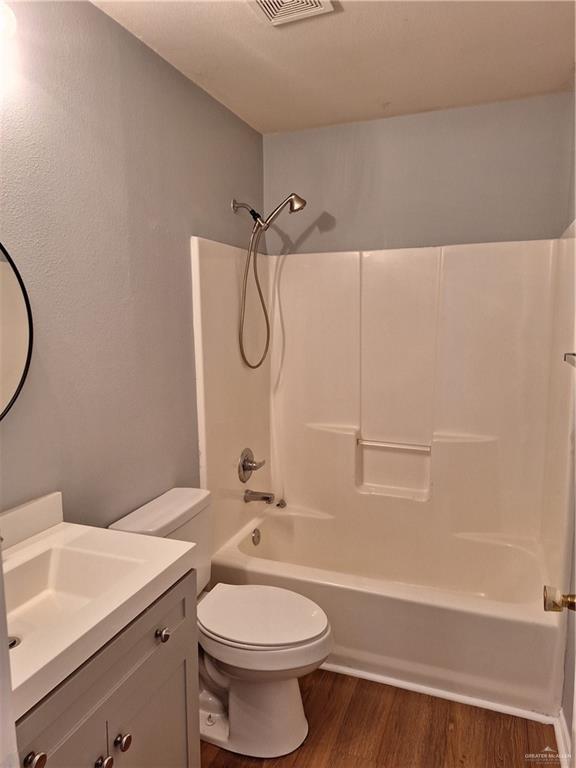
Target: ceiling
[{"x": 368, "y": 59}]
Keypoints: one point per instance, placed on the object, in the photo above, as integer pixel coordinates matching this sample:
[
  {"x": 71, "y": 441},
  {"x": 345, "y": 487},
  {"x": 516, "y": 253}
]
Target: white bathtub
[{"x": 480, "y": 633}]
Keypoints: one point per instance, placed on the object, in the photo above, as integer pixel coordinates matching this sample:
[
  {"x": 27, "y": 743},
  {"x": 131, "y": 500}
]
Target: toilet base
[{"x": 263, "y": 719}]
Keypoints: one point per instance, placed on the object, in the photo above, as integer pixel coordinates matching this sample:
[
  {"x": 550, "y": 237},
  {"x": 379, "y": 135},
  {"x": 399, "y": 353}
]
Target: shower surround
[{"x": 416, "y": 414}]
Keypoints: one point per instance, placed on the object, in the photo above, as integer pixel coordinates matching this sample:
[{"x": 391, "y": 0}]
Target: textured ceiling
[{"x": 366, "y": 60}]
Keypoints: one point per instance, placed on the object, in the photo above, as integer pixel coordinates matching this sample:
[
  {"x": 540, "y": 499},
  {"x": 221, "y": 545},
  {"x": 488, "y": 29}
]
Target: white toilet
[{"x": 256, "y": 641}]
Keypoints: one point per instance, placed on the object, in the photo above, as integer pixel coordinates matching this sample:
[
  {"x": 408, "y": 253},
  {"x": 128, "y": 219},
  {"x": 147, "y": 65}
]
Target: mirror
[{"x": 15, "y": 332}]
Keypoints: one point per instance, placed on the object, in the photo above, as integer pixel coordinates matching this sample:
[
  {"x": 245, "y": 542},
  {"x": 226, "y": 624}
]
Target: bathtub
[{"x": 479, "y": 635}]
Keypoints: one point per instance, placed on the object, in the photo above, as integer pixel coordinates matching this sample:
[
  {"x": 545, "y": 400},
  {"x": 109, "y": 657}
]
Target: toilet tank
[{"x": 180, "y": 513}]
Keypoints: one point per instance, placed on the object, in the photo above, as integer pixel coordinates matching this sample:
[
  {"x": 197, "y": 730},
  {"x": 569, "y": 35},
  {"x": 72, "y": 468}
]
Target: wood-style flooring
[{"x": 359, "y": 724}]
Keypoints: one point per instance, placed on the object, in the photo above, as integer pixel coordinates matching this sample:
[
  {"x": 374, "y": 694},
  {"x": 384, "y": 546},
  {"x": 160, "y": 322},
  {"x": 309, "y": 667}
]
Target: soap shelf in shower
[
  {"x": 570, "y": 358},
  {"x": 388, "y": 468}
]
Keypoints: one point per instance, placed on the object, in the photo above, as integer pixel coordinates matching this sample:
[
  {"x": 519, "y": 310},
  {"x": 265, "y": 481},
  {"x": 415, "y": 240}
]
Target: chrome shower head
[{"x": 296, "y": 202}]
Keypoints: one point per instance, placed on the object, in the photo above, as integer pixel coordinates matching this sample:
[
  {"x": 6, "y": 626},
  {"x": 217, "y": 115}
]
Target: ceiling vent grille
[{"x": 285, "y": 11}]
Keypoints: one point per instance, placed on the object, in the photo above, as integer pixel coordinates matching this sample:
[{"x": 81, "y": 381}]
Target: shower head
[{"x": 294, "y": 202}]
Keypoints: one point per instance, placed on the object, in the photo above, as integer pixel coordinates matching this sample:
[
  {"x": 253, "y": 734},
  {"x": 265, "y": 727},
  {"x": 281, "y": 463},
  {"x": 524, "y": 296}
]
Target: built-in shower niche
[{"x": 393, "y": 469}]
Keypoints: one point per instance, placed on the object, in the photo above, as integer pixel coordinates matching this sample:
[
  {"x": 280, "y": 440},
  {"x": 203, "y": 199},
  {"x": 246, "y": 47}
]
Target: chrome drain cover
[{"x": 13, "y": 641}]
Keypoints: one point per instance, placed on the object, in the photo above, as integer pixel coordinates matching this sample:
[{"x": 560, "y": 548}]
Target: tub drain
[
  {"x": 13, "y": 641},
  {"x": 256, "y": 536}
]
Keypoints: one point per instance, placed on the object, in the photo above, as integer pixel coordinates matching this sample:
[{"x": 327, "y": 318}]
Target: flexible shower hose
[{"x": 253, "y": 253}]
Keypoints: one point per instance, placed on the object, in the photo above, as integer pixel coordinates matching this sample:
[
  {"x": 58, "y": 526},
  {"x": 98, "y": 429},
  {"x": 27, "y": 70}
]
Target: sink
[
  {"x": 69, "y": 589},
  {"x": 49, "y": 586}
]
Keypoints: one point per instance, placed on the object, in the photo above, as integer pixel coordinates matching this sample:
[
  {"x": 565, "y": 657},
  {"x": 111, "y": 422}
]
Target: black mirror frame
[{"x": 31, "y": 333}]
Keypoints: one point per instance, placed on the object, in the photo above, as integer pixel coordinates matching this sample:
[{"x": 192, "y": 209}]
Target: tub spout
[{"x": 258, "y": 496}]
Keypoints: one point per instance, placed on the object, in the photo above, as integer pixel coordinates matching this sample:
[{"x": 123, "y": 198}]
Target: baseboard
[
  {"x": 563, "y": 740},
  {"x": 443, "y": 694}
]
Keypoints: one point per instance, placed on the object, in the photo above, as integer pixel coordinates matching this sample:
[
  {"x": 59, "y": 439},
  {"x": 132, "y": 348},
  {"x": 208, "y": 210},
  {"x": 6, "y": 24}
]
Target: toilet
[{"x": 255, "y": 640}]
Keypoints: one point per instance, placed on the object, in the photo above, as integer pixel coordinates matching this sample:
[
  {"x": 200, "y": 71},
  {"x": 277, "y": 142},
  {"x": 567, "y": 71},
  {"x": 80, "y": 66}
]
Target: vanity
[{"x": 102, "y": 626}]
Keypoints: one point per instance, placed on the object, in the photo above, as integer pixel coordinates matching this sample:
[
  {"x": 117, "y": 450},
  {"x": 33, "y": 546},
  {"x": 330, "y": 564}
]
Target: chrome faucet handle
[
  {"x": 254, "y": 465},
  {"x": 248, "y": 464}
]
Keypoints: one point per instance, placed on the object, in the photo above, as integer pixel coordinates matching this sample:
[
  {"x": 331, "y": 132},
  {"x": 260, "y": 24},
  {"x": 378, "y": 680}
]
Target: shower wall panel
[
  {"x": 492, "y": 370},
  {"x": 399, "y": 302},
  {"x": 419, "y": 392},
  {"x": 418, "y": 383},
  {"x": 315, "y": 368},
  {"x": 233, "y": 401}
]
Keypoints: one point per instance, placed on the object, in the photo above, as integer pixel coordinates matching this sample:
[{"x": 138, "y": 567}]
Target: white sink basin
[
  {"x": 50, "y": 585},
  {"x": 70, "y": 589}
]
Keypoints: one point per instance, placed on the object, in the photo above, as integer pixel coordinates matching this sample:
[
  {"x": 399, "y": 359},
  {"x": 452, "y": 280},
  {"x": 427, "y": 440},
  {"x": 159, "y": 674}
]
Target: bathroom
[{"x": 287, "y": 364}]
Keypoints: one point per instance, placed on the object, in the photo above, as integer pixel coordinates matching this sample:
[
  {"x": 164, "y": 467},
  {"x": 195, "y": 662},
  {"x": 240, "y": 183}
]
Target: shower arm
[{"x": 255, "y": 215}]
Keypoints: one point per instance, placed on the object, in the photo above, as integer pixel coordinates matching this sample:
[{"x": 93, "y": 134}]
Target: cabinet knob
[
  {"x": 123, "y": 742},
  {"x": 35, "y": 760},
  {"x": 104, "y": 762},
  {"x": 163, "y": 634}
]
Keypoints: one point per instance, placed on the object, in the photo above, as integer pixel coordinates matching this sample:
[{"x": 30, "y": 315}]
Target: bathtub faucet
[{"x": 258, "y": 496}]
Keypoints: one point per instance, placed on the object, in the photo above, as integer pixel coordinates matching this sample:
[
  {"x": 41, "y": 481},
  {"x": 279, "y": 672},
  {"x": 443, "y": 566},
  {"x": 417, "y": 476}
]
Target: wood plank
[
  {"x": 325, "y": 696},
  {"x": 367, "y": 716},
  {"x": 538, "y": 737},
  {"x": 356, "y": 723}
]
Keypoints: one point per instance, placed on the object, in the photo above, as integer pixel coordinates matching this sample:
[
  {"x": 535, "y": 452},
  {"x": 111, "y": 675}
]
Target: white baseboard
[
  {"x": 442, "y": 694},
  {"x": 563, "y": 740}
]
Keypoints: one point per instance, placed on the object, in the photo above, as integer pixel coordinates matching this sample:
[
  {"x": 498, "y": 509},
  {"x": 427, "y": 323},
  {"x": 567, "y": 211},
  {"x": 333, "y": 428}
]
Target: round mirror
[{"x": 15, "y": 332}]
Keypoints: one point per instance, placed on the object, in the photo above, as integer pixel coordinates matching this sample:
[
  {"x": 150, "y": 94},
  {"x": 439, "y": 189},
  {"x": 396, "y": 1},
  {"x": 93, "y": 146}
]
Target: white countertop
[{"x": 70, "y": 589}]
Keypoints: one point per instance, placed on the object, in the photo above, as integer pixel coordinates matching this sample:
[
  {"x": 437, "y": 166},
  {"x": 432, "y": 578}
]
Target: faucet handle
[
  {"x": 248, "y": 464},
  {"x": 254, "y": 465}
]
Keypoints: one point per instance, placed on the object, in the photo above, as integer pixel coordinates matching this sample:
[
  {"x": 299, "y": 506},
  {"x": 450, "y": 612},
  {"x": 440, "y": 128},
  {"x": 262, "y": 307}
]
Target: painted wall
[
  {"x": 110, "y": 160},
  {"x": 478, "y": 174}
]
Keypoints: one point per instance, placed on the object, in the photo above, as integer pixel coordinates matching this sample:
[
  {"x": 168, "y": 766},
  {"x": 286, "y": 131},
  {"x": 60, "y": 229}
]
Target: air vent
[{"x": 285, "y": 11}]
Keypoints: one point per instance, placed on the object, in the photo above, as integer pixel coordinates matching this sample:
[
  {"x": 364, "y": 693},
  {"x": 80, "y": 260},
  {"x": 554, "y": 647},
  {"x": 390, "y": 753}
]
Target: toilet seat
[
  {"x": 257, "y": 659},
  {"x": 260, "y": 617},
  {"x": 263, "y": 629},
  {"x": 249, "y": 647}
]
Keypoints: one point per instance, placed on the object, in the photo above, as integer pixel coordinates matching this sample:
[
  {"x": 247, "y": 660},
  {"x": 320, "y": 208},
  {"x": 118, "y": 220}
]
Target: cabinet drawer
[{"x": 53, "y": 720}]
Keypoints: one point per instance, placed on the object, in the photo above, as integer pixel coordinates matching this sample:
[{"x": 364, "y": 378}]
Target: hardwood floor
[{"x": 359, "y": 724}]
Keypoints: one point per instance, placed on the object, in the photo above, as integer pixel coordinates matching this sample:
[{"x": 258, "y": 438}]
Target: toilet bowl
[{"x": 255, "y": 641}]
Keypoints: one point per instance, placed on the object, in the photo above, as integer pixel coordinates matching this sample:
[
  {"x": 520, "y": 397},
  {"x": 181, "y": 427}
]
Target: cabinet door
[
  {"x": 79, "y": 748},
  {"x": 135, "y": 681},
  {"x": 157, "y": 705}
]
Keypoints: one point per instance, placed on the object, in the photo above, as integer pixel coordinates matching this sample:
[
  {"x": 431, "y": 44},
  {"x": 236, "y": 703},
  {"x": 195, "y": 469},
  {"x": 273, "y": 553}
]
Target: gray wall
[
  {"x": 110, "y": 160},
  {"x": 477, "y": 174}
]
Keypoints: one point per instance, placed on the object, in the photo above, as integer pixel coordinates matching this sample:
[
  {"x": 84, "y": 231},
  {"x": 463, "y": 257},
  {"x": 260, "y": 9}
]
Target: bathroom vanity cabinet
[{"x": 134, "y": 704}]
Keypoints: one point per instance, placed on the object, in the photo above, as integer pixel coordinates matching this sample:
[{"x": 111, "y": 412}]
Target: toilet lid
[{"x": 259, "y": 615}]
